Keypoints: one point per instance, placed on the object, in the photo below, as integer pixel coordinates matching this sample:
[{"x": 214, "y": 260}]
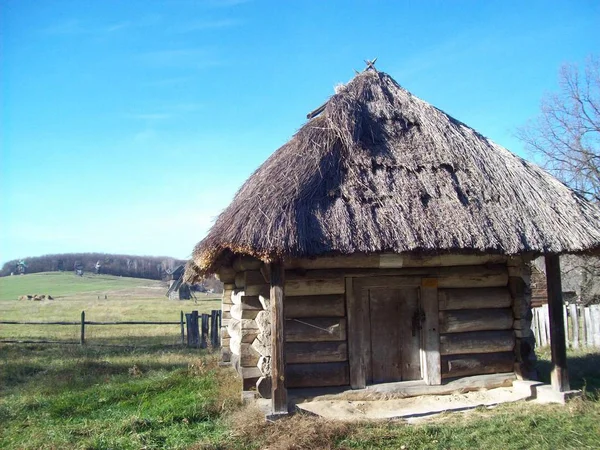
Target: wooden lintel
[
  {"x": 559, "y": 375},
  {"x": 278, "y": 387}
]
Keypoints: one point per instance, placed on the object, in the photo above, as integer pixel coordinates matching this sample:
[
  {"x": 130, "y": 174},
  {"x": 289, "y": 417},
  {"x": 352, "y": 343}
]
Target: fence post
[
  {"x": 203, "y": 343},
  {"x": 182, "y": 330},
  {"x": 193, "y": 339},
  {"x": 82, "y": 341},
  {"x": 213, "y": 319},
  {"x": 215, "y": 315}
]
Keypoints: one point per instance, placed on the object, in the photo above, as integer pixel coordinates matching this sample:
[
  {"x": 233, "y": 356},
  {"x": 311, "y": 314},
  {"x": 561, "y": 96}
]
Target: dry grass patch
[{"x": 299, "y": 432}]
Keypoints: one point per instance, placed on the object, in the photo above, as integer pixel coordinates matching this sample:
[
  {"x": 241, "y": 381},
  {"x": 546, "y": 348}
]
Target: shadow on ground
[
  {"x": 584, "y": 372},
  {"x": 57, "y": 366}
]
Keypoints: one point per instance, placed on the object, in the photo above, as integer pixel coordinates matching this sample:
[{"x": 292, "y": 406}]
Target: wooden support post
[
  {"x": 278, "y": 389},
  {"x": 181, "y": 321},
  {"x": 82, "y": 328},
  {"x": 559, "y": 376}
]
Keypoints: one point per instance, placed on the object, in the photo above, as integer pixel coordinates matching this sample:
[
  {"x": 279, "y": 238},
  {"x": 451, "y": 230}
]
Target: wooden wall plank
[
  {"x": 575, "y": 325},
  {"x": 477, "y": 342},
  {"x": 358, "y": 320},
  {"x": 465, "y": 320},
  {"x": 315, "y": 329},
  {"x": 595, "y": 315},
  {"x": 317, "y": 375},
  {"x": 314, "y": 287},
  {"x": 315, "y": 306},
  {"x": 477, "y": 364},
  {"x": 478, "y": 298},
  {"x": 432, "y": 373},
  {"x": 315, "y": 352}
]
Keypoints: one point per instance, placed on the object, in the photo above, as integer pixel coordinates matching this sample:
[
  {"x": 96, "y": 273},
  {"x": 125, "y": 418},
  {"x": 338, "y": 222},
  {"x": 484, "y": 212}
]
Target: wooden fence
[
  {"x": 199, "y": 332},
  {"x": 582, "y": 326}
]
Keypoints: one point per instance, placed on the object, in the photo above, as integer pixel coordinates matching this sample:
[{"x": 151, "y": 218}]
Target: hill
[
  {"x": 66, "y": 284},
  {"x": 150, "y": 267}
]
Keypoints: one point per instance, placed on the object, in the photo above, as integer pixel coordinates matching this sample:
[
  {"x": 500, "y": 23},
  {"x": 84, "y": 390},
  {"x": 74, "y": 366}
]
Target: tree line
[{"x": 150, "y": 267}]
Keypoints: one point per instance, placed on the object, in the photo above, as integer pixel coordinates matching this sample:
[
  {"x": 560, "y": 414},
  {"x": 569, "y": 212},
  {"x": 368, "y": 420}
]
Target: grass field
[
  {"x": 103, "y": 298},
  {"x": 68, "y": 396}
]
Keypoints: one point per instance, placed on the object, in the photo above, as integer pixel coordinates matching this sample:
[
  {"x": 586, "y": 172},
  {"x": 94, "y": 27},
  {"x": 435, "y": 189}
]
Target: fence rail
[
  {"x": 196, "y": 337},
  {"x": 582, "y": 325}
]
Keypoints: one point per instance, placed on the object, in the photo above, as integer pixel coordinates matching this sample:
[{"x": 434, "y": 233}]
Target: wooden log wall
[
  {"x": 484, "y": 309},
  {"x": 316, "y": 347},
  {"x": 476, "y": 331},
  {"x": 519, "y": 285}
]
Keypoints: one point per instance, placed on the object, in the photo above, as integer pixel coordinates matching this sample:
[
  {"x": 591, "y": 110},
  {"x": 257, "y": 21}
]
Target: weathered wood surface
[
  {"x": 448, "y": 277},
  {"x": 452, "y": 299},
  {"x": 432, "y": 373},
  {"x": 315, "y": 329},
  {"x": 314, "y": 306},
  {"x": 595, "y": 326},
  {"x": 245, "y": 262},
  {"x": 314, "y": 286},
  {"x": 359, "y": 332},
  {"x": 264, "y": 386},
  {"x": 477, "y": 364},
  {"x": 315, "y": 352},
  {"x": 248, "y": 357},
  {"x": 574, "y": 324},
  {"x": 278, "y": 331},
  {"x": 226, "y": 275},
  {"x": 244, "y": 330},
  {"x": 317, "y": 375},
  {"x": 262, "y": 347},
  {"x": 391, "y": 261},
  {"x": 249, "y": 278},
  {"x": 240, "y": 312},
  {"x": 477, "y": 342},
  {"x": 245, "y": 372},
  {"x": 457, "y": 386},
  {"x": 390, "y": 331},
  {"x": 559, "y": 374},
  {"x": 460, "y": 321},
  {"x": 589, "y": 328}
]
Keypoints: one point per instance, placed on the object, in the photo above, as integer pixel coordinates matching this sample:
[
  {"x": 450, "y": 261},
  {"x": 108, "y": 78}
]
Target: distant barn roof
[{"x": 380, "y": 170}]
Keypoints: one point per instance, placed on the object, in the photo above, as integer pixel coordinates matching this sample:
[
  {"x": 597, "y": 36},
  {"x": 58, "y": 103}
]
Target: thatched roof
[{"x": 380, "y": 170}]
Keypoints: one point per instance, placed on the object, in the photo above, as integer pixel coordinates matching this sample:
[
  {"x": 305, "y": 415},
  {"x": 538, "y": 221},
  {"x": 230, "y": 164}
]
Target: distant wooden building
[
  {"x": 539, "y": 292},
  {"x": 389, "y": 242},
  {"x": 178, "y": 288}
]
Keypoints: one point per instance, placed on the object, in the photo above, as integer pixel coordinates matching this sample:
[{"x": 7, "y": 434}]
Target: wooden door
[
  {"x": 394, "y": 334},
  {"x": 384, "y": 336}
]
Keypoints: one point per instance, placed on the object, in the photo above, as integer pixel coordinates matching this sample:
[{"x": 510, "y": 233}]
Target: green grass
[
  {"x": 60, "y": 284},
  {"x": 64, "y": 397},
  {"x": 72, "y": 397},
  {"x": 103, "y": 298}
]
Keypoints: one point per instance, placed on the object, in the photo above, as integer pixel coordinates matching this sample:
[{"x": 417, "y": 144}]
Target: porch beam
[
  {"x": 559, "y": 375},
  {"x": 278, "y": 390}
]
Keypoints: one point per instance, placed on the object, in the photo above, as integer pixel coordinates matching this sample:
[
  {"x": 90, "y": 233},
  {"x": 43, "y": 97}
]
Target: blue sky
[{"x": 126, "y": 127}]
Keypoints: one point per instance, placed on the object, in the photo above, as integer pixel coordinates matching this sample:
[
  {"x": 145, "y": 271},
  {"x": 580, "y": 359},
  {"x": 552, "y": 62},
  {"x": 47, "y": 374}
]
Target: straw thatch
[{"x": 380, "y": 170}]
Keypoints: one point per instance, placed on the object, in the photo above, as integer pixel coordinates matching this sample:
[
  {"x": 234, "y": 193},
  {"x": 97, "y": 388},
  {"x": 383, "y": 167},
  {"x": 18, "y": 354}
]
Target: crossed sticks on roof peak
[{"x": 370, "y": 65}]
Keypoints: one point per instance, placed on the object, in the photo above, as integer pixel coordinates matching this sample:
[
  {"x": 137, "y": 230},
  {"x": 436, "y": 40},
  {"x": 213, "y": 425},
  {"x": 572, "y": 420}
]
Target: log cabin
[{"x": 388, "y": 242}]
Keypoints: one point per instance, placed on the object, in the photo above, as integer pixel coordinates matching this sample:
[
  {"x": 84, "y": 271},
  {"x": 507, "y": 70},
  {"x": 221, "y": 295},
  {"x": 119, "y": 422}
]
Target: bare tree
[{"x": 565, "y": 137}]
